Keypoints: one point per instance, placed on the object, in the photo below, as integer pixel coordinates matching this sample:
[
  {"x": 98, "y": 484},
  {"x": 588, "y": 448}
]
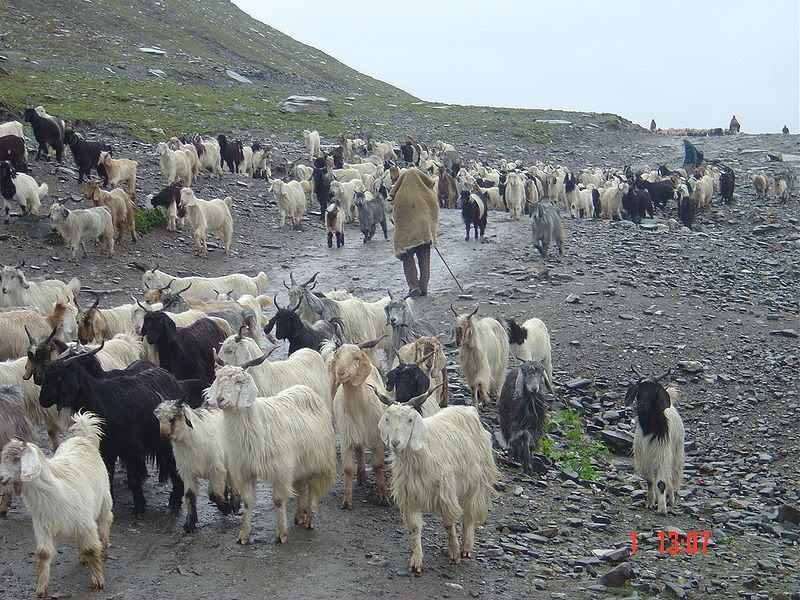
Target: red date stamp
[{"x": 673, "y": 542}]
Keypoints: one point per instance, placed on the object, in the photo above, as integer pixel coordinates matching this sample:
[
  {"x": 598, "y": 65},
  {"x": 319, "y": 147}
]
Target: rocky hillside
[{"x": 84, "y": 61}]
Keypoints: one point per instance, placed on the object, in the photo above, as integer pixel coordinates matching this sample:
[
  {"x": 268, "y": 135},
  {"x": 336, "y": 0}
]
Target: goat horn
[
  {"x": 275, "y": 301},
  {"x": 31, "y": 341},
  {"x": 418, "y": 401},
  {"x": 72, "y": 359},
  {"x": 238, "y": 337},
  {"x": 142, "y": 306},
  {"x": 397, "y": 354},
  {"x": 472, "y": 314},
  {"x": 183, "y": 290},
  {"x": 299, "y": 302},
  {"x": 382, "y": 397},
  {"x": 453, "y": 310},
  {"x": 51, "y": 336},
  {"x": 667, "y": 372},
  {"x": 291, "y": 278},
  {"x": 390, "y": 294},
  {"x": 286, "y": 286},
  {"x": 22, "y": 264},
  {"x": 230, "y": 294},
  {"x": 217, "y": 359},
  {"x": 371, "y": 343},
  {"x": 636, "y": 372},
  {"x": 424, "y": 358},
  {"x": 96, "y": 303},
  {"x": 166, "y": 287},
  {"x": 312, "y": 280},
  {"x": 257, "y": 361}
]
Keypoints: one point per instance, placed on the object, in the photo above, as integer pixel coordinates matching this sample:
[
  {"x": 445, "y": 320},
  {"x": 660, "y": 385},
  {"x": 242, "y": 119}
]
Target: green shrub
[
  {"x": 578, "y": 450},
  {"x": 146, "y": 220}
]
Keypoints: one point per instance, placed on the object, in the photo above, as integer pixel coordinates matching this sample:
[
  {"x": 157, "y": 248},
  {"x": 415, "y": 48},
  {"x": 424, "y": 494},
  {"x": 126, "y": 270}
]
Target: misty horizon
[{"x": 759, "y": 80}]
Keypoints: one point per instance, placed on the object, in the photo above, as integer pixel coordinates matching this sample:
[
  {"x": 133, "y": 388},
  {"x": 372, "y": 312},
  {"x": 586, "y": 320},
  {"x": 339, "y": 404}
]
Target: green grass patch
[
  {"x": 578, "y": 449},
  {"x": 147, "y": 220}
]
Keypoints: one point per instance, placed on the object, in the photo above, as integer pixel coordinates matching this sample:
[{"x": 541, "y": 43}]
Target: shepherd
[{"x": 416, "y": 215}]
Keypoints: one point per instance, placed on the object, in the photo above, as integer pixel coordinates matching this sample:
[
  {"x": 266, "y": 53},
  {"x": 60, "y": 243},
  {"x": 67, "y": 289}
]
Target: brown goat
[
  {"x": 118, "y": 203},
  {"x": 447, "y": 191}
]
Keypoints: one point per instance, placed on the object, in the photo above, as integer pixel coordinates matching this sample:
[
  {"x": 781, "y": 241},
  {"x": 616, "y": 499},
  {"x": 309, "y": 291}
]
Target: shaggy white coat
[
  {"x": 208, "y": 216},
  {"x": 482, "y": 355}
]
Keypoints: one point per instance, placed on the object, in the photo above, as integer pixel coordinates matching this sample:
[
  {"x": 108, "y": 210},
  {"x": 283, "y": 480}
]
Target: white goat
[
  {"x": 18, "y": 326},
  {"x": 67, "y": 495},
  {"x": 291, "y": 200},
  {"x": 82, "y": 225},
  {"x": 482, "y": 354},
  {"x": 344, "y": 192},
  {"x": 12, "y": 128},
  {"x": 175, "y": 164},
  {"x": 303, "y": 172},
  {"x": 196, "y": 438},
  {"x": 20, "y": 291},
  {"x": 303, "y": 367},
  {"x": 441, "y": 464},
  {"x": 286, "y": 439},
  {"x": 205, "y": 288},
  {"x": 611, "y": 200},
  {"x": 515, "y": 195},
  {"x": 701, "y": 191},
  {"x": 658, "y": 454},
  {"x": 312, "y": 143},
  {"x": 357, "y": 411},
  {"x": 531, "y": 341},
  {"x": 208, "y": 216}
]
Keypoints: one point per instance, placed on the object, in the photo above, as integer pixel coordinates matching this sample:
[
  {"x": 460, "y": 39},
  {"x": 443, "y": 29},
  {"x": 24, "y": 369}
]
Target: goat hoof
[
  {"x": 243, "y": 541},
  {"x": 466, "y": 554},
  {"x": 346, "y": 504},
  {"x": 281, "y": 537}
]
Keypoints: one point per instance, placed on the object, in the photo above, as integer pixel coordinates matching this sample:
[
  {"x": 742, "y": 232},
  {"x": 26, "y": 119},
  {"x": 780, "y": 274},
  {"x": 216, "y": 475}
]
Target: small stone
[
  {"x": 691, "y": 366},
  {"x": 790, "y": 333},
  {"x": 572, "y": 299},
  {"x": 676, "y": 590},
  {"x": 578, "y": 383}
]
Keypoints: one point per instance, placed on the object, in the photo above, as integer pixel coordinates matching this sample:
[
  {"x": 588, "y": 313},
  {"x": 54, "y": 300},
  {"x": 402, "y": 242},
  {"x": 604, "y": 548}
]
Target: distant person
[
  {"x": 785, "y": 129},
  {"x": 692, "y": 156},
  {"x": 652, "y": 124},
  {"x": 416, "y": 215},
  {"x": 734, "y": 126}
]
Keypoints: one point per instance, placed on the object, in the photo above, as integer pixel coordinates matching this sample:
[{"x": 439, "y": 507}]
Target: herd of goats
[{"x": 178, "y": 380}]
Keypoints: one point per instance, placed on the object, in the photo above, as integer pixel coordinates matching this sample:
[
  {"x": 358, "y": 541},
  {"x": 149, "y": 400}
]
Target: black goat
[
  {"x": 637, "y": 204},
  {"x": 188, "y": 352},
  {"x": 370, "y": 214},
  {"x": 523, "y": 410},
  {"x": 48, "y": 349},
  {"x": 661, "y": 192},
  {"x": 169, "y": 195},
  {"x": 408, "y": 381},
  {"x": 48, "y": 131},
  {"x": 322, "y": 185},
  {"x": 125, "y": 403},
  {"x": 473, "y": 213},
  {"x": 289, "y": 326},
  {"x": 596, "y": 205},
  {"x": 727, "y": 183},
  {"x": 230, "y": 153},
  {"x": 86, "y": 155},
  {"x": 12, "y": 149},
  {"x": 687, "y": 210}
]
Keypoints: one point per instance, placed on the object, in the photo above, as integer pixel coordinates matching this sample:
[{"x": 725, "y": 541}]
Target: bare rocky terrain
[{"x": 725, "y": 299}]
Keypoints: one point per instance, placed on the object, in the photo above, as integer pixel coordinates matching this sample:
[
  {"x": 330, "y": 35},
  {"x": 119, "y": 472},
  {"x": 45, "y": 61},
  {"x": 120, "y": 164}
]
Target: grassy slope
[{"x": 71, "y": 62}]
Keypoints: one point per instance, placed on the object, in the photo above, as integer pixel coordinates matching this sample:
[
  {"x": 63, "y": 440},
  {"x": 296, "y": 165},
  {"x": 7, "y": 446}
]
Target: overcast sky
[{"x": 686, "y": 63}]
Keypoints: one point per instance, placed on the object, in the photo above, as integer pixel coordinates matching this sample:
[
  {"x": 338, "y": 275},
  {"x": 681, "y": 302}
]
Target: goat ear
[
  {"x": 417, "y": 438},
  {"x": 630, "y": 395},
  {"x": 30, "y": 465},
  {"x": 188, "y": 421},
  {"x": 383, "y": 429},
  {"x": 664, "y": 401}
]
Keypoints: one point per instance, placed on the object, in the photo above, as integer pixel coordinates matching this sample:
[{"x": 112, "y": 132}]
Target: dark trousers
[{"x": 415, "y": 281}]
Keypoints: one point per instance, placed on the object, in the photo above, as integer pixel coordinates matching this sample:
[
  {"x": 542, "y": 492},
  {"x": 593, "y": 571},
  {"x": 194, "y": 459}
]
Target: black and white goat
[
  {"x": 473, "y": 213},
  {"x": 658, "y": 454},
  {"x": 12, "y": 149}
]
